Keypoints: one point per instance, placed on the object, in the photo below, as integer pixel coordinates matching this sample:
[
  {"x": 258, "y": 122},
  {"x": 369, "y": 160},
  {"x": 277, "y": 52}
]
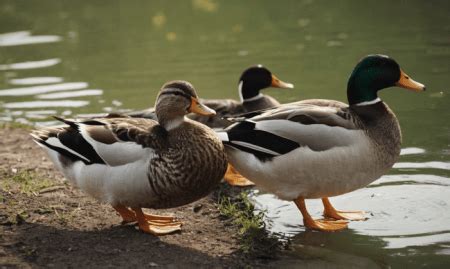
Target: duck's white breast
[{"x": 312, "y": 174}]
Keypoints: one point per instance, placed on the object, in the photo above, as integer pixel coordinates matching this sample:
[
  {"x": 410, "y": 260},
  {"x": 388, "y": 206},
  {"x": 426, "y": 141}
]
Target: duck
[
  {"x": 135, "y": 163},
  {"x": 251, "y": 82},
  {"x": 321, "y": 148}
]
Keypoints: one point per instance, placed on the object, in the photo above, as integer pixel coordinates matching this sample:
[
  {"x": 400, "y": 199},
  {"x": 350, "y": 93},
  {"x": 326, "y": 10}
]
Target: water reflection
[
  {"x": 25, "y": 38},
  {"x": 352, "y": 250},
  {"x": 42, "y": 112},
  {"x": 418, "y": 240},
  {"x": 435, "y": 165},
  {"x": 32, "y": 90},
  {"x": 411, "y": 179},
  {"x": 418, "y": 202},
  {"x": 411, "y": 151},
  {"x": 406, "y": 213},
  {"x": 35, "y": 80},
  {"x": 30, "y": 64},
  {"x": 46, "y": 104},
  {"x": 59, "y": 95}
]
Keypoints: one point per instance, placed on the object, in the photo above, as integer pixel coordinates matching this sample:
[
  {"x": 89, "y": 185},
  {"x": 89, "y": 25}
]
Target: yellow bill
[
  {"x": 277, "y": 83},
  {"x": 201, "y": 109},
  {"x": 408, "y": 83}
]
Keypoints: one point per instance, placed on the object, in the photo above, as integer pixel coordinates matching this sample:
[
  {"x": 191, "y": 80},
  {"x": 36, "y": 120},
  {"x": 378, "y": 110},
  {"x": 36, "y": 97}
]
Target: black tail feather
[{"x": 68, "y": 122}]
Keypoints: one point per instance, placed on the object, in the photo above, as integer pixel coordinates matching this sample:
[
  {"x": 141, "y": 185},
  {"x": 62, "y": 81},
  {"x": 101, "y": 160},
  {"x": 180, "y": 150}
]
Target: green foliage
[{"x": 254, "y": 238}]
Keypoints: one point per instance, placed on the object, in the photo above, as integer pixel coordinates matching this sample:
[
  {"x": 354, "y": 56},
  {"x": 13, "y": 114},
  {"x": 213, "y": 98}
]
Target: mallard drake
[
  {"x": 141, "y": 163},
  {"x": 322, "y": 148},
  {"x": 251, "y": 82}
]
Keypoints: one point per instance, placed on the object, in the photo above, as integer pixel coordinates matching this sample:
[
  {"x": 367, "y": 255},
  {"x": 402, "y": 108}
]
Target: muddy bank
[{"x": 45, "y": 222}]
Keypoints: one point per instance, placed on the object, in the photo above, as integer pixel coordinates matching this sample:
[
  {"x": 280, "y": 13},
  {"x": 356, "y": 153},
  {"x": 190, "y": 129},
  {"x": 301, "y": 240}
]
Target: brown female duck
[{"x": 141, "y": 163}]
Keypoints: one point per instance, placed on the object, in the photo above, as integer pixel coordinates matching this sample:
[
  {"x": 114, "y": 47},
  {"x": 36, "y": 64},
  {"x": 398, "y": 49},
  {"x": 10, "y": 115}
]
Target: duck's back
[{"x": 263, "y": 102}]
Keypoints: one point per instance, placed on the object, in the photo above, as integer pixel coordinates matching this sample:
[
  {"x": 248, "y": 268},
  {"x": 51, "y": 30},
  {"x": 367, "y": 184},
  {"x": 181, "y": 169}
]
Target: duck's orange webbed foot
[
  {"x": 235, "y": 179},
  {"x": 325, "y": 225},
  {"x": 126, "y": 214},
  {"x": 321, "y": 225},
  {"x": 330, "y": 212},
  {"x": 155, "y": 224}
]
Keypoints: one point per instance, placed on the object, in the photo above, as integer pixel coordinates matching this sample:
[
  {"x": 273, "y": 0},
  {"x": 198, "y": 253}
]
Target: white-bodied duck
[{"x": 322, "y": 148}]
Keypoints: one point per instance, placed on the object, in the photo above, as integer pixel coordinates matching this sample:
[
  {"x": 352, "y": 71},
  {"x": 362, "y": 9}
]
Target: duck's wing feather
[
  {"x": 148, "y": 113},
  {"x": 224, "y": 107},
  {"x": 111, "y": 141},
  {"x": 318, "y": 126}
]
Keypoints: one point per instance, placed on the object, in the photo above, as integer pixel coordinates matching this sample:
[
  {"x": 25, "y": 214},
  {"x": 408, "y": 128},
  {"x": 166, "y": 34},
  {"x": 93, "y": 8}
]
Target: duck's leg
[
  {"x": 330, "y": 212},
  {"x": 321, "y": 225},
  {"x": 126, "y": 214},
  {"x": 155, "y": 224},
  {"x": 235, "y": 179}
]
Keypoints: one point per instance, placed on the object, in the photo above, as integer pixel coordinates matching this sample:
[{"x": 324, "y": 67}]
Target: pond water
[{"x": 82, "y": 57}]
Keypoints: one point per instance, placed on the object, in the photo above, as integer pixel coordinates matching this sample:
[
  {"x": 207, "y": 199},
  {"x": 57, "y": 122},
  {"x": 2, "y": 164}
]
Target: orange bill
[
  {"x": 201, "y": 109},
  {"x": 408, "y": 83},
  {"x": 277, "y": 83}
]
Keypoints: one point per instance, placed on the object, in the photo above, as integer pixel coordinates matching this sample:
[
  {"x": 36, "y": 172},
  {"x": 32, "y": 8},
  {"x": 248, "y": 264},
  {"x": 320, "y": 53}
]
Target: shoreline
[{"x": 46, "y": 222}]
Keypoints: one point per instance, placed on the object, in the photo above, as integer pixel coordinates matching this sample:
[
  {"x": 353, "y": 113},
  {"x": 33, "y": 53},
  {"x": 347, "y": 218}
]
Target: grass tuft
[
  {"x": 254, "y": 239},
  {"x": 25, "y": 182}
]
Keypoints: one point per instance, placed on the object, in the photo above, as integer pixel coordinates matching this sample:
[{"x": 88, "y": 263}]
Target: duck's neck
[
  {"x": 361, "y": 92},
  {"x": 168, "y": 118},
  {"x": 170, "y": 124},
  {"x": 248, "y": 93}
]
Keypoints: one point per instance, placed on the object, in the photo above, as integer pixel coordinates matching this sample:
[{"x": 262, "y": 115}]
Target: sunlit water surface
[{"x": 81, "y": 57}]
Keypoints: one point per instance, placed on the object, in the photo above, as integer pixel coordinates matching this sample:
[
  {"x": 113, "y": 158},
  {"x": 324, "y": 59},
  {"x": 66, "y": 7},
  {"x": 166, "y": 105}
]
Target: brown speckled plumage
[
  {"x": 184, "y": 159},
  {"x": 188, "y": 167}
]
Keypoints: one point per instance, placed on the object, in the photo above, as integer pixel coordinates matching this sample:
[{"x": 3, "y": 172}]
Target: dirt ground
[{"x": 49, "y": 223}]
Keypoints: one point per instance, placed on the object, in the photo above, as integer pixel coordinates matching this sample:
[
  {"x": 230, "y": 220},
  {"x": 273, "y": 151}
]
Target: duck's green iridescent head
[{"x": 373, "y": 73}]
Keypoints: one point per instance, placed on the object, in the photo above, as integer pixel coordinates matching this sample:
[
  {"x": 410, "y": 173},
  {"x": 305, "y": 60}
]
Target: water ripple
[
  {"x": 30, "y": 64},
  {"x": 35, "y": 80},
  {"x": 43, "y": 89},
  {"x": 42, "y": 112},
  {"x": 46, "y": 104},
  {"x": 410, "y": 151},
  {"x": 411, "y": 179},
  {"x": 416, "y": 240},
  {"x": 400, "y": 215},
  {"x": 59, "y": 95},
  {"x": 25, "y": 38},
  {"x": 435, "y": 165}
]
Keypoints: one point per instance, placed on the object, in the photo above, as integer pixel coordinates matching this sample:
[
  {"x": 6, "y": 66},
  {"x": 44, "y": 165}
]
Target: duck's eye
[{"x": 406, "y": 77}]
